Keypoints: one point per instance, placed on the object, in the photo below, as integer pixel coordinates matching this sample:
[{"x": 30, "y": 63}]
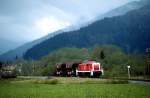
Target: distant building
[{"x": 8, "y": 71}]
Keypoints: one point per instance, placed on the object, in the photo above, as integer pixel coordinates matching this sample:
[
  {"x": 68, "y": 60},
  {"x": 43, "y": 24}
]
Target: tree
[
  {"x": 1, "y": 65},
  {"x": 102, "y": 55}
]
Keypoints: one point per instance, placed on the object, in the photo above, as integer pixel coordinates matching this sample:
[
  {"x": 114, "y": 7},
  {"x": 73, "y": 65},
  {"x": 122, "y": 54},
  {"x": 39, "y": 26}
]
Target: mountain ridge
[{"x": 19, "y": 51}]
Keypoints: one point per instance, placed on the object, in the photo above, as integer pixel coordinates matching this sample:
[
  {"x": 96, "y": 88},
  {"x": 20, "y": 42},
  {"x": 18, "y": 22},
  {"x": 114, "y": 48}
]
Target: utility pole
[
  {"x": 128, "y": 72},
  {"x": 148, "y": 65}
]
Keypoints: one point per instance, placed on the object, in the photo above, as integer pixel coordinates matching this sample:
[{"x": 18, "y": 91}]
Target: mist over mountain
[
  {"x": 129, "y": 31},
  {"x": 6, "y": 45},
  {"x": 121, "y": 10},
  {"x": 124, "y": 9},
  {"x": 19, "y": 52}
]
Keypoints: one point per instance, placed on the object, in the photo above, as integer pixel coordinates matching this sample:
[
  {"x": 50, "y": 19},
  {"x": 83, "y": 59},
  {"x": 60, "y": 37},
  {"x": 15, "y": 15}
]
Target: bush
[
  {"x": 106, "y": 82},
  {"x": 54, "y": 81},
  {"x": 117, "y": 81}
]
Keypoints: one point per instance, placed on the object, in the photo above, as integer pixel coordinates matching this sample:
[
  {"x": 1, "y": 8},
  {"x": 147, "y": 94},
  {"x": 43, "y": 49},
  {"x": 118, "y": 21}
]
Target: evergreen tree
[
  {"x": 102, "y": 55},
  {"x": 1, "y": 65}
]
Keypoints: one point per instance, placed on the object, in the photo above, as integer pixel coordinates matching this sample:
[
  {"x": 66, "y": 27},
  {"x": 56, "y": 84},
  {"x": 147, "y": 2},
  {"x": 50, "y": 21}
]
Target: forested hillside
[{"x": 112, "y": 58}]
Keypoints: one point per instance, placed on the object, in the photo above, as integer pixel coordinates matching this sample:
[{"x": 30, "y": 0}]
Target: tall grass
[
  {"x": 36, "y": 89},
  {"x": 53, "y": 81}
]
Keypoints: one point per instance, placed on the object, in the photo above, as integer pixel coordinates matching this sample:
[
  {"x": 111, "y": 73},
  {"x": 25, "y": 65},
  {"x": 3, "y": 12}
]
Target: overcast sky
[{"x": 26, "y": 20}]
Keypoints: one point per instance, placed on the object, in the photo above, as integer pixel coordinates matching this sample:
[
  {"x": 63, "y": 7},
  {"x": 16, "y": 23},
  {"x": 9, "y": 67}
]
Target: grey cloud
[{"x": 18, "y": 17}]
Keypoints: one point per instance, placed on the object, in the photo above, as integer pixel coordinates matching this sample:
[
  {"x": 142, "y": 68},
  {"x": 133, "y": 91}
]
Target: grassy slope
[{"x": 31, "y": 90}]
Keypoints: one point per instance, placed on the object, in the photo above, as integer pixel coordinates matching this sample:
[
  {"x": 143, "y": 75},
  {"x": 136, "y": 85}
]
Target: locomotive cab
[{"x": 90, "y": 69}]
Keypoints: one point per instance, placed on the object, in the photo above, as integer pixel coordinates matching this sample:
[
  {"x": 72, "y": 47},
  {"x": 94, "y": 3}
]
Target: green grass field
[{"x": 30, "y": 89}]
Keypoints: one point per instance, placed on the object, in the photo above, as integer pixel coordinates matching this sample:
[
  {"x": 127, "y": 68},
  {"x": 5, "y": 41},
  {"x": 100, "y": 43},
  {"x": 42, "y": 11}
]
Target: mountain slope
[
  {"x": 11, "y": 55},
  {"x": 124, "y": 9},
  {"x": 130, "y": 32},
  {"x": 116, "y": 12},
  {"x": 5, "y": 45}
]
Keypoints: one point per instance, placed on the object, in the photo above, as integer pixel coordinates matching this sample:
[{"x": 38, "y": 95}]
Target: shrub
[
  {"x": 117, "y": 81},
  {"x": 106, "y": 82},
  {"x": 53, "y": 81}
]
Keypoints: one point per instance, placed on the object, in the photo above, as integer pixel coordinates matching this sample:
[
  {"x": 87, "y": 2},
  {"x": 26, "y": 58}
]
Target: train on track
[{"x": 84, "y": 69}]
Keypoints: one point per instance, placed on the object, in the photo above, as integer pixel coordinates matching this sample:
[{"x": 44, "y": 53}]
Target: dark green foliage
[
  {"x": 26, "y": 68},
  {"x": 102, "y": 55},
  {"x": 53, "y": 81},
  {"x": 47, "y": 65},
  {"x": 49, "y": 70},
  {"x": 112, "y": 58},
  {"x": 66, "y": 55},
  {"x": 116, "y": 61},
  {"x": 1, "y": 65},
  {"x": 138, "y": 64}
]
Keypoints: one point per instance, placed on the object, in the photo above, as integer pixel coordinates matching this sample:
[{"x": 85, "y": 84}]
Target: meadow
[{"x": 71, "y": 88}]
